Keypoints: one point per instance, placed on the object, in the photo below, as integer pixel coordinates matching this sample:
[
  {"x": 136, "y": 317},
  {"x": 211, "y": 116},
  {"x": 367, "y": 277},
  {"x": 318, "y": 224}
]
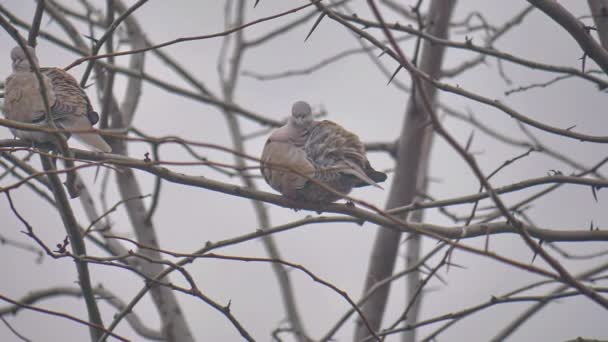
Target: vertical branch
[
  {"x": 599, "y": 11},
  {"x": 78, "y": 246},
  {"x": 414, "y": 241},
  {"x": 412, "y": 258},
  {"x": 136, "y": 63},
  {"x": 99, "y": 43},
  {"x": 106, "y": 97},
  {"x": 33, "y": 34},
  {"x": 414, "y": 148},
  {"x": 519, "y": 226},
  {"x": 174, "y": 325},
  {"x": 228, "y": 90}
]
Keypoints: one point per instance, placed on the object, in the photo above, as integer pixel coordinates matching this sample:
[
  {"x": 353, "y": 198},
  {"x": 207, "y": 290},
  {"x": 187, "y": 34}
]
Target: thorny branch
[{"x": 479, "y": 214}]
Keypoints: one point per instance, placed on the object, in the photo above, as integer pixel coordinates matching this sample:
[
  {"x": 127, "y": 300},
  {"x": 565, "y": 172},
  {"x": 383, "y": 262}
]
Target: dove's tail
[
  {"x": 94, "y": 141},
  {"x": 376, "y": 176},
  {"x": 363, "y": 176},
  {"x": 372, "y": 178}
]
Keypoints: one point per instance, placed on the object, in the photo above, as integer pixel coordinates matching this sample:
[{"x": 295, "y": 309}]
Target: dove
[
  {"x": 323, "y": 155},
  {"x": 70, "y": 107}
]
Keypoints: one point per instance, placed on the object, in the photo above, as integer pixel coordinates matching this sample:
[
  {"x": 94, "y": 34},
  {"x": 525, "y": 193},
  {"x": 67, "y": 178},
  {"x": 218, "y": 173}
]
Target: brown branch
[
  {"x": 471, "y": 95},
  {"x": 566, "y": 277},
  {"x": 14, "y": 331},
  {"x": 78, "y": 245},
  {"x": 205, "y": 98},
  {"x": 279, "y": 31},
  {"x": 233, "y": 62},
  {"x": 175, "y": 327},
  {"x": 600, "y": 82},
  {"x": 379, "y": 217},
  {"x": 599, "y": 11},
  {"x": 59, "y": 140},
  {"x": 378, "y": 285},
  {"x": 107, "y": 35},
  {"x": 488, "y": 43},
  {"x": 92, "y": 326},
  {"x": 411, "y": 163},
  {"x": 516, "y": 323},
  {"x": 313, "y": 276},
  {"x": 106, "y": 96},
  {"x": 576, "y": 29},
  {"x": 187, "y": 39},
  {"x": 35, "y": 296},
  {"x": 4, "y": 241},
  {"x": 416, "y": 292},
  {"x": 534, "y": 143},
  {"x": 31, "y": 39},
  {"x": 21, "y": 164}
]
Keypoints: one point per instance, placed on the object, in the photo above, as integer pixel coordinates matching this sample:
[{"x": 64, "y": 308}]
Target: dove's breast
[{"x": 23, "y": 100}]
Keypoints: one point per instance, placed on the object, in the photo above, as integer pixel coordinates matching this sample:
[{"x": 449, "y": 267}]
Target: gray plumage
[
  {"x": 69, "y": 104},
  {"x": 321, "y": 152}
]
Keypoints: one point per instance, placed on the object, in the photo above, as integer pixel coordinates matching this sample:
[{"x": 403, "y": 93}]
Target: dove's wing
[
  {"x": 72, "y": 108},
  {"x": 339, "y": 155},
  {"x": 278, "y": 158},
  {"x": 324, "y": 154}
]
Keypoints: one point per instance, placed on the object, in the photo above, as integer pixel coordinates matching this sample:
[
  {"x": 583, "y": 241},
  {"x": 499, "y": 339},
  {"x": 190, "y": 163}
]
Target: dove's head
[
  {"x": 301, "y": 114},
  {"x": 20, "y": 61}
]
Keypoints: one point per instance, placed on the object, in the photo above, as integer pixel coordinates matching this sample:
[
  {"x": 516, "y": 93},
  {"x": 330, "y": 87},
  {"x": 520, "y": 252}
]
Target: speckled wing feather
[
  {"x": 72, "y": 108},
  {"x": 70, "y": 99},
  {"x": 337, "y": 153},
  {"x": 330, "y": 161}
]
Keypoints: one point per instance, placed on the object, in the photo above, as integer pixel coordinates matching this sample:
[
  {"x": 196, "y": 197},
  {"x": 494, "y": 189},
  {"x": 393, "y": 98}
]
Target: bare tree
[{"x": 496, "y": 170}]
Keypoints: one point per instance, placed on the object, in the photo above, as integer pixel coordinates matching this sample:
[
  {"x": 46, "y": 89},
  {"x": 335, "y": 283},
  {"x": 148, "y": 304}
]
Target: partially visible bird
[
  {"x": 320, "y": 152},
  {"x": 69, "y": 104}
]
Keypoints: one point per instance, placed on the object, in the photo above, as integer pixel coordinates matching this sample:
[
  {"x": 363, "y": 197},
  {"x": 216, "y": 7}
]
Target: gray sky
[{"x": 355, "y": 94}]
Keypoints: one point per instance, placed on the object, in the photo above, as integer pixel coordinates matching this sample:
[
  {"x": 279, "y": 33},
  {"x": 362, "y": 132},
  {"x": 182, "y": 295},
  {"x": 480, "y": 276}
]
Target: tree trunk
[
  {"x": 414, "y": 148},
  {"x": 599, "y": 11}
]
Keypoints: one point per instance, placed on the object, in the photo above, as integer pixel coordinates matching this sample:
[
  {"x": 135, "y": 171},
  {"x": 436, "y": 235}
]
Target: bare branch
[
  {"x": 411, "y": 166},
  {"x": 35, "y": 296},
  {"x": 576, "y": 29},
  {"x": 92, "y": 326},
  {"x": 599, "y": 11},
  {"x": 78, "y": 246}
]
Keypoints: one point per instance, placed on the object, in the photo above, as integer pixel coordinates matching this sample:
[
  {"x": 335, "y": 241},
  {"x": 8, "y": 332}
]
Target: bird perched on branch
[
  {"x": 315, "y": 161},
  {"x": 70, "y": 107}
]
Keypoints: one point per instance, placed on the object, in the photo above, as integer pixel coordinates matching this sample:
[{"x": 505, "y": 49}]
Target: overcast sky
[{"x": 355, "y": 94}]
